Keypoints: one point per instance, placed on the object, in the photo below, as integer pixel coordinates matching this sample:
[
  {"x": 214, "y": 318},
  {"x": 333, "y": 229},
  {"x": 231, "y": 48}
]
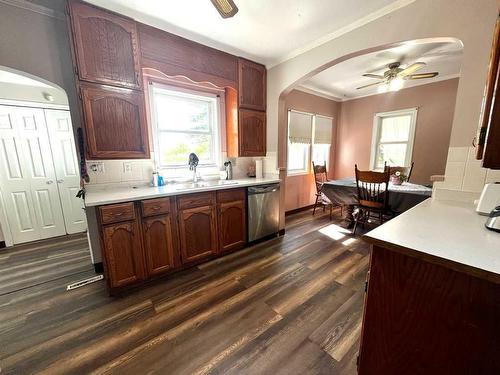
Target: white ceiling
[
  {"x": 267, "y": 31},
  {"x": 341, "y": 80},
  {"x": 17, "y": 79}
]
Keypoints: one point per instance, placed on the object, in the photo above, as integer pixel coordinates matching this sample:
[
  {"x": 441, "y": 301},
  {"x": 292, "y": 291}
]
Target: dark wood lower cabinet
[
  {"x": 232, "y": 225},
  {"x": 145, "y": 239},
  {"x": 197, "y": 232},
  {"x": 158, "y": 244},
  {"x": 425, "y": 318},
  {"x": 123, "y": 254}
]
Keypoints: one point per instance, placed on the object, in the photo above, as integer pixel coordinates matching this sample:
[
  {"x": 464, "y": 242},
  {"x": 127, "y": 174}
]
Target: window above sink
[{"x": 185, "y": 121}]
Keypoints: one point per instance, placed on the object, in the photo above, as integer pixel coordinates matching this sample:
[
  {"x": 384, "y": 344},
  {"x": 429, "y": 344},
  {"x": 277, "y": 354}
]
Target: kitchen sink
[{"x": 204, "y": 184}]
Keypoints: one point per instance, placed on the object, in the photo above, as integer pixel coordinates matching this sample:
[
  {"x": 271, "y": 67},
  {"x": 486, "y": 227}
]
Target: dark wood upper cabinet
[
  {"x": 158, "y": 244},
  {"x": 251, "y": 85},
  {"x": 115, "y": 122},
  {"x": 231, "y": 219},
  {"x": 106, "y": 46},
  {"x": 252, "y": 133},
  {"x": 198, "y": 235},
  {"x": 489, "y": 134},
  {"x": 123, "y": 253}
]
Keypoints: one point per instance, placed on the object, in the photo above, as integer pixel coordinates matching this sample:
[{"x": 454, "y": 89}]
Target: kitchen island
[
  {"x": 140, "y": 233},
  {"x": 433, "y": 294}
]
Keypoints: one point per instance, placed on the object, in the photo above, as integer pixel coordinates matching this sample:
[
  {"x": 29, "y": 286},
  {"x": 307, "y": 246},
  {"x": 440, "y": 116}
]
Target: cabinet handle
[
  {"x": 156, "y": 208},
  {"x": 119, "y": 214},
  {"x": 60, "y": 181},
  {"x": 48, "y": 182}
]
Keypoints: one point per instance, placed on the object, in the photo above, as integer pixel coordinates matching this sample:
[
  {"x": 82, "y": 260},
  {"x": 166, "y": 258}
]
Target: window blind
[
  {"x": 299, "y": 127},
  {"x": 323, "y": 130}
]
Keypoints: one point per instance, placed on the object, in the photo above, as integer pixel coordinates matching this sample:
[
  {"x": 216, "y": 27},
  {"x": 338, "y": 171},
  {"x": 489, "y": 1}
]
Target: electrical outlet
[
  {"x": 97, "y": 167},
  {"x": 127, "y": 167}
]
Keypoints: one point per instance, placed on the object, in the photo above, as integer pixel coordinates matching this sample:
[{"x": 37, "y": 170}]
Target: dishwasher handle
[{"x": 263, "y": 189}]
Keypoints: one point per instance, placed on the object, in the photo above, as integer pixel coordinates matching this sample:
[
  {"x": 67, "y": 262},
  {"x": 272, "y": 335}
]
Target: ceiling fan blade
[
  {"x": 422, "y": 75},
  {"x": 226, "y": 8},
  {"x": 371, "y": 84},
  {"x": 411, "y": 69},
  {"x": 369, "y": 75}
]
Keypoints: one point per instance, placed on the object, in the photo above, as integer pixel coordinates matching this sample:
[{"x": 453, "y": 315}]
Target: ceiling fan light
[
  {"x": 396, "y": 84},
  {"x": 226, "y": 8},
  {"x": 382, "y": 88}
]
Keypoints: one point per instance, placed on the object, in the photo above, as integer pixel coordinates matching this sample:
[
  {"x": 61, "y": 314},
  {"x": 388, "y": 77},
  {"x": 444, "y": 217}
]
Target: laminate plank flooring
[
  {"x": 35, "y": 263},
  {"x": 291, "y": 305}
]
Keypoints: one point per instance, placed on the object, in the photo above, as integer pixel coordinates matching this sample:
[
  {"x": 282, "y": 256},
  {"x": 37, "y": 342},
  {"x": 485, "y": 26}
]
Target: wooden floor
[
  {"x": 35, "y": 263},
  {"x": 291, "y": 305}
]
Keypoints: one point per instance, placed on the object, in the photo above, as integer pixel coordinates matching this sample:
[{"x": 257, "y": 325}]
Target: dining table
[{"x": 402, "y": 197}]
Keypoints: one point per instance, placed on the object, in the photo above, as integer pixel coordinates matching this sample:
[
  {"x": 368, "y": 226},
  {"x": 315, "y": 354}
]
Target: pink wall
[
  {"x": 436, "y": 105},
  {"x": 300, "y": 189}
]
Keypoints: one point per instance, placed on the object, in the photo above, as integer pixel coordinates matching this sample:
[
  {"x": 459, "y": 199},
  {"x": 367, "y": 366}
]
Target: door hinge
[
  {"x": 357, "y": 362},
  {"x": 366, "y": 286}
]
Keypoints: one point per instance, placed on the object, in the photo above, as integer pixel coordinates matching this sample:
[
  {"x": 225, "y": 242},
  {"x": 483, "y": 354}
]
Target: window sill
[{"x": 301, "y": 173}]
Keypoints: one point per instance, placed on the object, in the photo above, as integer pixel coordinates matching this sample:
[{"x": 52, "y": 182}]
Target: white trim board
[
  {"x": 376, "y": 133},
  {"x": 22, "y": 103},
  {"x": 328, "y": 95}
]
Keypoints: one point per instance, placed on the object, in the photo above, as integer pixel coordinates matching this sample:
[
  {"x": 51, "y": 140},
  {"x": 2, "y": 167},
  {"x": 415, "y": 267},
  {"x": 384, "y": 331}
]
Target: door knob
[
  {"x": 48, "y": 182},
  {"x": 60, "y": 181}
]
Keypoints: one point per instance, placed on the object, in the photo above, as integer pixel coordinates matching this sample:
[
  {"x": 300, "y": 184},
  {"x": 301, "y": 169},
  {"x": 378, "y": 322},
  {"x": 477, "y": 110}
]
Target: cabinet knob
[
  {"x": 48, "y": 182},
  {"x": 60, "y": 181}
]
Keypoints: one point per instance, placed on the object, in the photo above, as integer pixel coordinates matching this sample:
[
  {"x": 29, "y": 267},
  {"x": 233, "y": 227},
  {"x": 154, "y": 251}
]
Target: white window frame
[
  {"x": 376, "y": 133},
  {"x": 308, "y": 169},
  {"x": 215, "y": 130}
]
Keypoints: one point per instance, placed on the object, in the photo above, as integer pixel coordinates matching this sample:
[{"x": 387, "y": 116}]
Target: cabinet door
[
  {"x": 105, "y": 46},
  {"x": 123, "y": 253},
  {"x": 158, "y": 244},
  {"x": 198, "y": 235},
  {"x": 252, "y": 85},
  {"x": 252, "y": 133},
  {"x": 115, "y": 122},
  {"x": 489, "y": 134},
  {"x": 232, "y": 225}
]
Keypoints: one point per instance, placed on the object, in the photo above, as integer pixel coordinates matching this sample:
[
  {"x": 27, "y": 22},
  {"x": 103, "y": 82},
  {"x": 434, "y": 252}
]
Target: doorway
[{"x": 39, "y": 172}]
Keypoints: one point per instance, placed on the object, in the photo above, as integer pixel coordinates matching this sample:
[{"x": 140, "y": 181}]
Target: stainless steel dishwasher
[{"x": 263, "y": 211}]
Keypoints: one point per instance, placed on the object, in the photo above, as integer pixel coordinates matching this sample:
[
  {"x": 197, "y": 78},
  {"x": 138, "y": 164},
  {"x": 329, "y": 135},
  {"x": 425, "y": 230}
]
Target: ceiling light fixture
[
  {"x": 226, "y": 8},
  {"x": 396, "y": 84}
]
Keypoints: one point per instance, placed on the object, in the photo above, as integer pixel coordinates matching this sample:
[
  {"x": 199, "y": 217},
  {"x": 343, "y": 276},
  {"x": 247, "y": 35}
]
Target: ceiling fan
[
  {"x": 393, "y": 78},
  {"x": 226, "y": 8}
]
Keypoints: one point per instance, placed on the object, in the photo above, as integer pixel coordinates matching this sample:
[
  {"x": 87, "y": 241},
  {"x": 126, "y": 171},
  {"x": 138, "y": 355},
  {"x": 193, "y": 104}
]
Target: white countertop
[
  {"x": 449, "y": 230},
  {"x": 99, "y": 195}
]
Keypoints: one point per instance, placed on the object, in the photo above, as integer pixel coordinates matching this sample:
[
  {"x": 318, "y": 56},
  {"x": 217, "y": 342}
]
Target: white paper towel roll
[{"x": 259, "y": 173}]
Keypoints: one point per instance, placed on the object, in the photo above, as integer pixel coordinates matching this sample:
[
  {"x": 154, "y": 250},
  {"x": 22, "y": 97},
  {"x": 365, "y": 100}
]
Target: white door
[
  {"x": 29, "y": 189},
  {"x": 67, "y": 170}
]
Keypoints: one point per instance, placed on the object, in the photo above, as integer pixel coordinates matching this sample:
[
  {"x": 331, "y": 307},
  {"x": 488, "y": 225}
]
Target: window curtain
[
  {"x": 299, "y": 127},
  {"x": 323, "y": 130}
]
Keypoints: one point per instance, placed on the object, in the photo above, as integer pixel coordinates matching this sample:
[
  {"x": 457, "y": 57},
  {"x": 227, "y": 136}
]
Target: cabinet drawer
[
  {"x": 196, "y": 200},
  {"x": 117, "y": 212},
  {"x": 230, "y": 195},
  {"x": 153, "y": 207}
]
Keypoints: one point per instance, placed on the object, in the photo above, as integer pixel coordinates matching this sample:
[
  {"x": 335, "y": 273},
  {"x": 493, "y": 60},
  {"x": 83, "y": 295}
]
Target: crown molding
[
  {"x": 343, "y": 30},
  {"x": 40, "y": 9},
  {"x": 318, "y": 92},
  {"x": 328, "y": 95}
]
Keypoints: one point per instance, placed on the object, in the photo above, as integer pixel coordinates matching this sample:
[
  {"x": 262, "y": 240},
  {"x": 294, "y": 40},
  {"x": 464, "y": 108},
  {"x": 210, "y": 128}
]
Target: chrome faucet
[{"x": 193, "y": 163}]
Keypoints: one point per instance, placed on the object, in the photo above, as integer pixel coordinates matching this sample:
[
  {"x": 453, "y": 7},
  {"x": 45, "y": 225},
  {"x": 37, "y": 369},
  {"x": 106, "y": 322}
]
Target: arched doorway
[
  {"x": 38, "y": 161},
  {"x": 282, "y": 138}
]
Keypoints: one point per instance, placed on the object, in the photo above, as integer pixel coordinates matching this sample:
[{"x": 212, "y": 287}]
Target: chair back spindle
[{"x": 372, "y": 187}]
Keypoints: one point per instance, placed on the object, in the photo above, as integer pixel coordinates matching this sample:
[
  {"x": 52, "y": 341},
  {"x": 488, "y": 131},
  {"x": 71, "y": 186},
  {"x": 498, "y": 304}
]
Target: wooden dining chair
[
  {"x": 373, "y": 196},
  {"x": 320, "y": 177},
  {"x": 404, "y": 170}
]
